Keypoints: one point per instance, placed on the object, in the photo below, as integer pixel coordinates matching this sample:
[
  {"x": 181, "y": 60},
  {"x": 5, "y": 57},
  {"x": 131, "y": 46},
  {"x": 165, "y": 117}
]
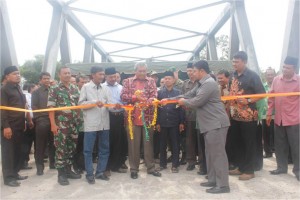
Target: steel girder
[
  {"x": 291, "y": 43},
  {"x": 8, "y": 54}
]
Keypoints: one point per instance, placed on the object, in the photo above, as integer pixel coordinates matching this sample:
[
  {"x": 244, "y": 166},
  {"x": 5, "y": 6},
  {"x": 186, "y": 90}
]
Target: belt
[{"x": 116, "y": 113}]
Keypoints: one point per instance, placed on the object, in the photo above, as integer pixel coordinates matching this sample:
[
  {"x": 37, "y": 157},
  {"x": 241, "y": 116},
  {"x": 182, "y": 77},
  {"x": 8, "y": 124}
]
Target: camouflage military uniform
[{"x": 69, "y": 122}]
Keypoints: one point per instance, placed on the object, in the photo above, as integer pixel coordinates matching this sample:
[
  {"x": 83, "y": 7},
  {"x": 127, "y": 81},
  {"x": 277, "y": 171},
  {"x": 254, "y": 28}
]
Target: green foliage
[{"x": 31, "y": 69}]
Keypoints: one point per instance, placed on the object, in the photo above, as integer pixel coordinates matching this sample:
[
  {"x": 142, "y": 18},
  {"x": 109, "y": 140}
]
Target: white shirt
[{"x": 95, "y": 119}]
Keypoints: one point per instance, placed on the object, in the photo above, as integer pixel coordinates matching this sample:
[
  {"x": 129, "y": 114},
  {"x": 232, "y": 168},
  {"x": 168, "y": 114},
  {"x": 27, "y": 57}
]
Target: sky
[{"x": 30, "y": 22}]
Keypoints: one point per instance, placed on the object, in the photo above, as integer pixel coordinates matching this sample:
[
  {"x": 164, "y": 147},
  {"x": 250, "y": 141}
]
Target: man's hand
[
  {"x": 242, "y": 101},
  {"x": 181, "y": 127},
  {"x": 54, "y": 129},
  {"x": 268, "y": 120},
  {"x": 158, "y": 128},
  {"x": 99, "y": 104},
  {"x": 31, "y": 124},
  {"x": 118, "y": 106},
  {"x": 181, "y": 101},
  {"x": 7, "y": 132}
]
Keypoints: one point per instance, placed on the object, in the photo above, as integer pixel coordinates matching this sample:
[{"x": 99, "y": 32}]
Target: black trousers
[
  {"x": 11, "y": 154},
  {"x": 244, "y": 133},
  {"x": 201, "y": 151},
  {"x": 117, "y": 141},
  {"x": 28, "y": 140},
  {"x": 191, "y": 142},
  {"x": 268, "y": 136},
  {"x": 230, "y": 148},
  {"x": 259, "y": 148},
  {"x": 43, "y": 139},
  {"x": 78, "y": 156},
  {"x": 173, "y": 134}
]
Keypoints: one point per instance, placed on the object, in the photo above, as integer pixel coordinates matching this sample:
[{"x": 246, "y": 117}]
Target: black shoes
[
  {"x": 182, "y": 160},
  {"x": 70, "y": 174},
  {"x": 218, "y": 190},
  {"x": 120, "y": 170},
  {"x": 25, "y": 166},
  {"x": 12, "y": 183},
  {"x": 20, "y": 178},
  {"x": 102, "y": 177},
  {"x": 51, "y": 166},
  {"x": 208, "y": 184},
  {"x": 277, "y": 171},
  {"x": 162, "y": 168},
  {"x": 90, "y": 179},
  {"x": 190, "y": 167},
  {"x": 39, "y": 172},
  {"x": 124, "y": 166},
  {"x": 134, "y": 175},
  {"x": 174, "y": 170},
  {"x": 202, "y": 172},
  {"x": 268, "y": 155},
  {"x": 155, "y": 173}
]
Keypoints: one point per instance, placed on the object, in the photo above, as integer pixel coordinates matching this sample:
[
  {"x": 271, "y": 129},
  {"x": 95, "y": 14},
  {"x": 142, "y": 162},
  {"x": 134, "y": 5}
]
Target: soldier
[{"x": 65, "y": 124}]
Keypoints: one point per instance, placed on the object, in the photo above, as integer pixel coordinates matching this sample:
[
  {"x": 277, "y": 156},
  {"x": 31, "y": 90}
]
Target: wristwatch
[{"x": 249, "y": 100}]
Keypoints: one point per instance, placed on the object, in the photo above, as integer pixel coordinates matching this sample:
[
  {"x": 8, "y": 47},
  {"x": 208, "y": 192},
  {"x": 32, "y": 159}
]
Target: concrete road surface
[{"x": 184, "y": 185}]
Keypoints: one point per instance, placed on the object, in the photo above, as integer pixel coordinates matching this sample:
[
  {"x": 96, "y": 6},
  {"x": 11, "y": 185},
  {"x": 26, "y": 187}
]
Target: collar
[
  {"x": 165, "y": 89},
  {"x": 245, "y": 72},
  {"x": 43, "y": 87},
  {"x": 204, "y": 79},
  {"x": 12, "y": 85},
  {"x": 94, "y": 85},
  {"x": 294, "y": 78},
  {"x": 146, "y": 79},
  {"x": 116, "y": 84}
]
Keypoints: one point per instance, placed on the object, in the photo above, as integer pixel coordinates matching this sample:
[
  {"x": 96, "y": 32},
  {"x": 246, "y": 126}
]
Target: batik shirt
[{"x": 246, "y": 83}]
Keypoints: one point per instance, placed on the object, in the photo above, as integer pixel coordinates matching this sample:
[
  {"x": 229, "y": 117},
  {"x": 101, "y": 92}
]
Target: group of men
[{"x": 224, "y": 135}]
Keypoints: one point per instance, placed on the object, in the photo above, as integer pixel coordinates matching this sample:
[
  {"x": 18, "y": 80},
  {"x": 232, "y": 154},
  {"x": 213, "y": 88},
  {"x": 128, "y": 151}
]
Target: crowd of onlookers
[{"x": 222, "y": 137}]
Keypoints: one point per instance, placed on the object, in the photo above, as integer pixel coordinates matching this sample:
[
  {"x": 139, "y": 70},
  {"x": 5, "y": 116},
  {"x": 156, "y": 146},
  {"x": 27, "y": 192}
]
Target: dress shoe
[
  {"x": 72, "y": 175},
  {"x": 90, "y": 179},
  {"x": 277, "y": 171},
  {"x": 182, "y": 161},
  {"x": 235, "y": 172},
  {"x": 218, "y": 190},
  {"x": 124, "y": 166},
  {"x": 39, "y": 172},
  {"x": 78, "y": 171},
  {"x": 134, "y": 175},
  {"x": 202, "y": 172},
  {"x": 267, "y": 155},
  {"x": 174, "y": 170},
  {"x": 190, "y": 167},
  {"x": 20, "y": 178},
  {"x": 12, "y": 183},
  {"x": 107, "y": 173},
  {"x": 102, "y": 177},
  {"x": 26, "y": 167},
  {"x": 120, "y": 170},
  {"x": 208, "y": 184},
  {"x": 155, "y": 173},
  {"x": 246, "y": 177}
]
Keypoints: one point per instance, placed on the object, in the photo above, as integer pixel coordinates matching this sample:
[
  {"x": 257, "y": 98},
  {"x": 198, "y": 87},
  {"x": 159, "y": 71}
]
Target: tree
[
  {"x": 222, "y": 43},
  {"x": 31, "y": 69}
]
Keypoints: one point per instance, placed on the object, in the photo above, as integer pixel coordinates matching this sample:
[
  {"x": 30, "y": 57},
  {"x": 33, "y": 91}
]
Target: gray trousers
[
  {"x": 216, "y": 158},
  {"x": 285, "y": 137},
  {"x": 134, "y": 147}
]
